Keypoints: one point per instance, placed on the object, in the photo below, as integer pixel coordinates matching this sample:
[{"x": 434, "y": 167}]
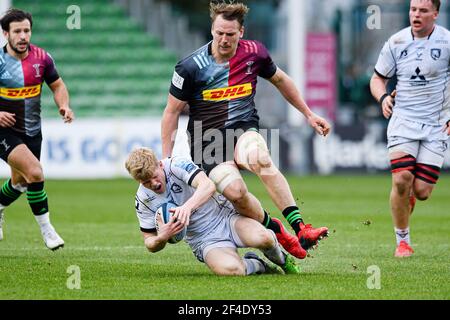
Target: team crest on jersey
[
  {"x": 435, "y": 54},
  {"x": 37, "y": 67},
  {"x": 249, "y": 67},
  {"x": 176, "y": 188},
  {"x": 229, "y": 93}
]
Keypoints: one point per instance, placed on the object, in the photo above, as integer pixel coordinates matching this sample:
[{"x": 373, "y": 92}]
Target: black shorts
[
  {"x": 10, "y": 139},
  {"x": 213, "y": 150}
]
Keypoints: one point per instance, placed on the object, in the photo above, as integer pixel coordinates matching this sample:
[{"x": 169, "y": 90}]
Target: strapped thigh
[
  {"x": 428, "y": 173},
  {"x": 406, "y": 163}
]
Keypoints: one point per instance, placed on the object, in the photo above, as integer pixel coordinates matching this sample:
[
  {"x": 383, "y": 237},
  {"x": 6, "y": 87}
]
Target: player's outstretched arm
[
  {"x": 169, "y": 124},
  {"x": 205, "y": 189},
  {"x": 378, "y": 90},
  {"x": 155, "y": 242},
  {"x": 287, "y": 88},
  {"x": 61, "y": 96}
]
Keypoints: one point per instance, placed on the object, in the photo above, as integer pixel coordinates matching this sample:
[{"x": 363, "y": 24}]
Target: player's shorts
[
  {"x": 219, "y": 145},
  {"x": 223, "y": 236},
  {"x": 424, "y": 142},
  {"x": 10, "y": 139}
]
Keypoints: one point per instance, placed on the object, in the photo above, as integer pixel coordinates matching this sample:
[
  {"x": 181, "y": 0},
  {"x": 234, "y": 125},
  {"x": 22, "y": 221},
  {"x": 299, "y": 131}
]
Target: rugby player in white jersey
[
  {"x": 419, "y": 111},
  {"x": 214, "y": 229}
]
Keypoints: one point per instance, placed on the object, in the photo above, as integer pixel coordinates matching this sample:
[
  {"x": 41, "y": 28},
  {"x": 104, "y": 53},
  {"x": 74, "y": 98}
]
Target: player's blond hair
[
  {"x": 229, "y": 10},
  {"x": 141, "y": 164}
]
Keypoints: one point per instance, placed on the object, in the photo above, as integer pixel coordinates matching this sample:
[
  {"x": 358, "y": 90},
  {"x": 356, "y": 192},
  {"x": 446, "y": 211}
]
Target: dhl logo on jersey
[
  {"x": 229, "y": 93},
  {"x": 20, "y": 93}
]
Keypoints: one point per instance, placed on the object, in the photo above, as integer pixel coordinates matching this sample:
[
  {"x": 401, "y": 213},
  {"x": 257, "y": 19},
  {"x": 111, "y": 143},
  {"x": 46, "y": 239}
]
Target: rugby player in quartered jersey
[
  {"x": 218, "y": 82},
  {"x": 419, "y": 111},
  {"x": 222, "y": 94},
  {"x": 23, "y": 69},
  {"x": 21, "y": 84}
]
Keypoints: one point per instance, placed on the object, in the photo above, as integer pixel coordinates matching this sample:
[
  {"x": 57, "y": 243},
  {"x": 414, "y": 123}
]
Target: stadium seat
[{"x": 111, "y": 66}]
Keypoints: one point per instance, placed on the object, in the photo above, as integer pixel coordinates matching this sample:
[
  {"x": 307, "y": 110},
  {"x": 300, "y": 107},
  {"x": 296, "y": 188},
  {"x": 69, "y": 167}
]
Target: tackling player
[
  {"x": 218, "y": 82},
  {"x": 23, "y": 69},
  {"x": 419, "y": 112},
  {"x": 214, "y": 229}
]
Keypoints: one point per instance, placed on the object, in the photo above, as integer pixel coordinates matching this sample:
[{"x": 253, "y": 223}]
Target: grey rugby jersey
[{"x": 422, "y": 67}]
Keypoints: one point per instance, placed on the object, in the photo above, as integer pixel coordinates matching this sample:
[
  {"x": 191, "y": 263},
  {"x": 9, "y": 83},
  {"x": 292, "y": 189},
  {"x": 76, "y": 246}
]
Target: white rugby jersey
[
  {"x": 422, "y": 67},
  {"x": 180, "y": 172}
]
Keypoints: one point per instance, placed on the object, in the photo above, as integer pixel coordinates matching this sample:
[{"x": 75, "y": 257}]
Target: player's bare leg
[
  {"x": 25, "y": 164},
  {"x": 243, "y": 201},
  {"x": 260, "y": 163},
  {"x": 229, "y": 182},
  {"x": 254, "y": 235},
  {"x": 402, "y": 186}
]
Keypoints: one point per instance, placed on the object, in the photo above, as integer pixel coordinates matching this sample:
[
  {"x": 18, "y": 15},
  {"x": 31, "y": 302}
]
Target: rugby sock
[
  {"x": 293, "y": 217},
  {"x": 274, "y": 253},
  {"x": 37, "y": 198},
  {"x": 253, "y": 266},
  {"x": 402, "y": 235},
  {"x": 43, "y": 220},
  {"x": 8, "y": 193},
  {"x": 269, "y": 224}
]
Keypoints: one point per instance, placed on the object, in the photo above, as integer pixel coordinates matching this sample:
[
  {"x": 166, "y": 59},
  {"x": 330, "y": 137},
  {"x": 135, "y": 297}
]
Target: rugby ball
[{"x": 165, "y": 214}]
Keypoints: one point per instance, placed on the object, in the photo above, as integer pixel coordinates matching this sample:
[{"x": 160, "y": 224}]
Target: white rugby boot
[{"x": 51, "y": 239}]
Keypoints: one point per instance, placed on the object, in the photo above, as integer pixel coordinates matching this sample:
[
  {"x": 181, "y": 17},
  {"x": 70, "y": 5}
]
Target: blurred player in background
[
  {"x": 214, "y": 229},
  {"x": 218, "y": 82},
  {"x": 23, "y": 69},
  {"x": 419, "y": 56}
]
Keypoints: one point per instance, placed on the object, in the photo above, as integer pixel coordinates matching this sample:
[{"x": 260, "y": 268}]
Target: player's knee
[
  {"x": 266, "y": 240},
  {"x": 402, "y": 181},
  {"x": 35, "y": 174},
  {"x": 236, "y": 192},
  {"x": 422, "y": 194},
  {"x": 260, "y": 161},
  {"x": 230, "y": 268}
]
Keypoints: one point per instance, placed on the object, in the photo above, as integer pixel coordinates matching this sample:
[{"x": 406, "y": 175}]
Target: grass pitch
[{"x": 98, "y": 223}]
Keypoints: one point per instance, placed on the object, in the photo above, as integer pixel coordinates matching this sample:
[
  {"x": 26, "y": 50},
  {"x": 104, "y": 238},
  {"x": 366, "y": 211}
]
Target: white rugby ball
[{"x": 165, "y": 213}]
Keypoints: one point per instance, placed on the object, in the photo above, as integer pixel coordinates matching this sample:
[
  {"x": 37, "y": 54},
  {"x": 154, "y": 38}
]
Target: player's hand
[
  {"x": 388, "y": 104},
  {"x": 7, "y": 119},
  {"x": 319, "y": 124},
  {"x": 67, "y": 114},
  {"x": 447, "y": 128},
  {"x": 182, "y": 214},
  {"x": 168, "y": 230}
]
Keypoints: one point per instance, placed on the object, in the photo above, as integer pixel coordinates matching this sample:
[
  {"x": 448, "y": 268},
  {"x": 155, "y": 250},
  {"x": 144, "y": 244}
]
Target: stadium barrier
[
  {"x": 97, "y": 148},
  {"x": 357, "y": 148}
]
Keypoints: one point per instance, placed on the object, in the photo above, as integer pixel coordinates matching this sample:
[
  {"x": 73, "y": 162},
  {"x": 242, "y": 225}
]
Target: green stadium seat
[{"x": 111, "y": 67}]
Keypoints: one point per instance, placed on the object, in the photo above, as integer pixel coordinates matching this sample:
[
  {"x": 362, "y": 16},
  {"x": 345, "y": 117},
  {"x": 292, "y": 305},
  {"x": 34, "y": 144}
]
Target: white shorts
[
  {"x": 223, "y": 236},
  {"x": 424, "y": 142}
]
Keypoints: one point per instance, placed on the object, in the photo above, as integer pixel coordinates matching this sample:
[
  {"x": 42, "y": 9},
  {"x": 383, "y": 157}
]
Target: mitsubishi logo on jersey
[
  {"x": 418, "y": 80},
  {"x": 229, "y": 93},
  {"x": 38, "y": 72}
]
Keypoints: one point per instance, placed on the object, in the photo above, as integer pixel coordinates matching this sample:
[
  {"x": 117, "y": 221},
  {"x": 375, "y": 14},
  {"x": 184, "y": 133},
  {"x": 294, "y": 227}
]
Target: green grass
[{"x": 98, "y": 223}]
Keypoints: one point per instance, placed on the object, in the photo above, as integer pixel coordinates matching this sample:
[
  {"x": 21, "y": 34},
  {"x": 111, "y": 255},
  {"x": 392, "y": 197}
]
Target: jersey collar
[{"x": 428, "y": 38}]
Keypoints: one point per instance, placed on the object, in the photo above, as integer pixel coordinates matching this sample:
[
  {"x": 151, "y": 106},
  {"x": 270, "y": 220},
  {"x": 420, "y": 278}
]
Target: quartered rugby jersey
[
  {"x": 222, "y": 94},
  {"x": 422, "y": 67},
  {"x": 21, "y": 84}
]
